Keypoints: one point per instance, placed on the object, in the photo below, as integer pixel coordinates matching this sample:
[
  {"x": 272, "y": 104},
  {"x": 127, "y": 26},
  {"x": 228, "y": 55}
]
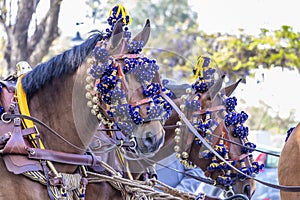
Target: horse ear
[
  {"x": 144, "y": 34},
  {"x": 215, "y": 88},
  {"x": 212, "y": 91},
  {"x": 229, "y": 89},
  {"x": 156, "y": 78},
  {"x": 117, "y": 34}
]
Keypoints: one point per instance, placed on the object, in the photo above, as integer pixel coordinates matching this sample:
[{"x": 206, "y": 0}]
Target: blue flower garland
[
  {"x": 236, "y": 120},
  {"x": 119, "y": 12},
  {"x": 204, "y": 71},
  {"x": 112, "y": 94},
  {"x": 193, "y": 104},
  {"x": 288, "y": 133},
  {"x": 109, "y": 87},
  {"x": 116, "y": 13},
  {"x": 135, "y": 46}
]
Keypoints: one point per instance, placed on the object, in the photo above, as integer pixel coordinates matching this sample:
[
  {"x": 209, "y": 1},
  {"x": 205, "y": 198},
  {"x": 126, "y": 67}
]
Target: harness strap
[
  {"x": 16, "y": 143},
  {"x": 141, "y": 102},
  {"x": 46, "y": 173},
  {"x": 212, "y": 109},
  {"x": 29, "y": 131},
  {"x": 122, "y": 76},
  {"x": 7, "y": 116},
  {"x": 225, "y": 137},
  {"x": 240, "y": 157},
  {"x": 122, "y": 56},
  {"x": 65, "y": 158},
  {"x": 23, "y": 106}
]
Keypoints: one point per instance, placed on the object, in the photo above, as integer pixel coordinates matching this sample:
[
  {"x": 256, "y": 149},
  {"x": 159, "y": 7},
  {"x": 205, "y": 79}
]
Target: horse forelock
[{"x": 64, "y": 63}]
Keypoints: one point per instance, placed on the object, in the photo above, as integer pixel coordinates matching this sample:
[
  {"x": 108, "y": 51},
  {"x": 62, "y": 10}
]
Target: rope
[
  {"x": 139, "y": 189},
  {"x": 39, "y": 177},
  {"x": 72, "y": 181}
]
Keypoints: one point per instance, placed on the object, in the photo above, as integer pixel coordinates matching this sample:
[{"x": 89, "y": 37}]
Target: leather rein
[{"x": 227, "y": 140}]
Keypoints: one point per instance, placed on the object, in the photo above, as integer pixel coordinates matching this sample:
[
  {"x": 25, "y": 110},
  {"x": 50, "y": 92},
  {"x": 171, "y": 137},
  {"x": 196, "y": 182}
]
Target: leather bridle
[{"x": 146, "y": 100}]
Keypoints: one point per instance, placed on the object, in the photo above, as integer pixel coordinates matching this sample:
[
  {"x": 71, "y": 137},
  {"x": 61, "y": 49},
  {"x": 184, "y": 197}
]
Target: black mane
[{"x": 64, "y": 63}]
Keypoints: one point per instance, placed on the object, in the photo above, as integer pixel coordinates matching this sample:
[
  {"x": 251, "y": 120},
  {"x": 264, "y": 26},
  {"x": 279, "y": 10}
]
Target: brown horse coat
[{"x": 289, "y": 165}]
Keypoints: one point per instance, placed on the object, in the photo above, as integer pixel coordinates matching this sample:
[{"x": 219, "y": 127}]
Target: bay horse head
[
  {"x": 128, "y": 85},
  {"x": 56, "y": 96},
  {"x": 212, "y": 113},
  {"x": 222, "y": 126}
]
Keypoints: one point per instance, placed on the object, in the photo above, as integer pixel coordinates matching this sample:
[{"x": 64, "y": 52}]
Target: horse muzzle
[{"x": 150, "y": 142}]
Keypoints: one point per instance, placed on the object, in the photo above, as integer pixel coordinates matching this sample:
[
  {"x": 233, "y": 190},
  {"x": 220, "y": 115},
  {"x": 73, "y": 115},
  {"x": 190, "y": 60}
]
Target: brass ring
[{"x": 5, "y": 121}]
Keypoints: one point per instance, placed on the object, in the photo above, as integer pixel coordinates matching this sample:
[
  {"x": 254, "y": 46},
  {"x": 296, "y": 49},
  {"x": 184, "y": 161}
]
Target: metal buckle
[
  {"x": 132, "y": 142},
  {"x": 200, "y": 196},
  {"x": 17, "y": 121},
  {"x": 228, "y": 193}
]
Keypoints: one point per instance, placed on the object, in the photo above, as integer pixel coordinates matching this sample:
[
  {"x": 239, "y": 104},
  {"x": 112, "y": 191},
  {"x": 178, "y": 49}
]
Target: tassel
[
  {"x": 120, "y": 10},
  {"x": 198, "y": 68}
]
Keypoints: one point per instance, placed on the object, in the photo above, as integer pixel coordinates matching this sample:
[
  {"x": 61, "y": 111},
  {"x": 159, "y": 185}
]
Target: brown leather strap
[
  {"x": 8, "y": 116},
  {"x": 122, "y": 77},
  {"x": 4, "y": 138},
  {"x": 211, "y": 109},
  {"x": 122, "y": 56},
  {"x": 141, "y": 102},
  {"x": 46, "y": 173},
  {"x": 10, "y": 85},
  {"x": 65, "y": 158},
  {"x": 238, "y": 158},
  {"x": 16, "y": 143},
  {"x": 28, "y": 131}
]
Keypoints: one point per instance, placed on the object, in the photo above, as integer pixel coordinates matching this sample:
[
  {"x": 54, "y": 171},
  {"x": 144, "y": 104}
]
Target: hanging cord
[
  {"x": 72, "y": 183},
  {"x": 230, "y": 141},
  {"x": 7, "y": 117}
]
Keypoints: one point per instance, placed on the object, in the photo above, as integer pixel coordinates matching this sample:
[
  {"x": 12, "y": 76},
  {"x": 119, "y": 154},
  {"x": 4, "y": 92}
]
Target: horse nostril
[
  {"x": 150, "y": 139},
  {"x": 247, "y": 190}
]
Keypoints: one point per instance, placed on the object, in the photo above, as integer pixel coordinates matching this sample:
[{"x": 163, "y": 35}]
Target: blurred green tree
[
  {"x": 238, "y": 54},
  {"x": 176, "y": 41},
  {"x": 174, "y": 31}
]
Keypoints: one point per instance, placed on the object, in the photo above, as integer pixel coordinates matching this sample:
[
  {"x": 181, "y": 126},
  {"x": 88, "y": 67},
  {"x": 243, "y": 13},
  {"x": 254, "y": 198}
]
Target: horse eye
[{"x": 233, "y": 175}]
